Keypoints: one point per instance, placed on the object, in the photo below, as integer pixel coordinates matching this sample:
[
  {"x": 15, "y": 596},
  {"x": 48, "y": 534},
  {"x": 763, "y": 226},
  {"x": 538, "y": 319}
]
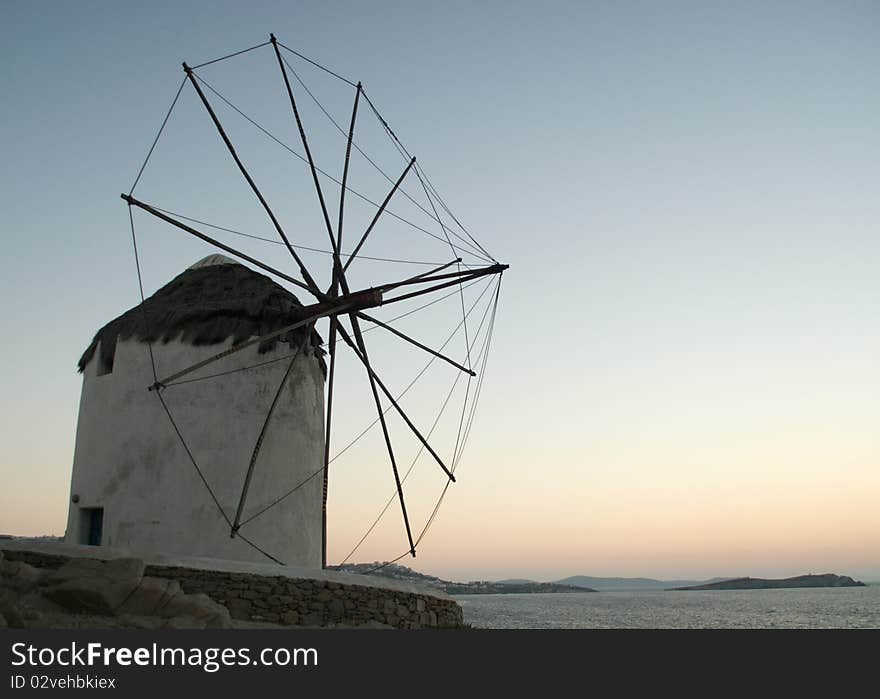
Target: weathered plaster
[{"x": 129, "y": 460}]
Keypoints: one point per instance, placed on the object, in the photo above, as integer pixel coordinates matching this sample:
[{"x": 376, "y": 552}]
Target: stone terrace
[{"x": 273, "y": 593}]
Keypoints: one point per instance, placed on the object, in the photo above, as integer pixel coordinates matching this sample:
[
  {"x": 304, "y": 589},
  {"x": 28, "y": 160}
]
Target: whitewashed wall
[{"x": 129, "y": 460}]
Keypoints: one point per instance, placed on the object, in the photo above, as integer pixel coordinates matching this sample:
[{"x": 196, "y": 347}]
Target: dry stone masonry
[{"x": 191, "y": 597}]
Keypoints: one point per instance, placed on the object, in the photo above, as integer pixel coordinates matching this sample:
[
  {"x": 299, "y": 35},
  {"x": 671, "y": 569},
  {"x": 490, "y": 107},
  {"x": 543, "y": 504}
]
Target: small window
[
  {"x": 104, "y": 358},
  {"x": 91, "y": 525},
  {"x": 103, "y": 367}
]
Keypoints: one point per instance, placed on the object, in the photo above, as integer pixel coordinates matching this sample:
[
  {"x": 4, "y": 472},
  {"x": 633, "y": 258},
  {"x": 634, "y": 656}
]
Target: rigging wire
[
  {"x": 412, "y": 383},
  {"x": 231, "y": 55},
  {"x": 373, "y": 108},
  {"x": 372, "y": 327},
  {"x": 386, "y": 564},
  {"x": 298, "y": 247},
  {"x": 464, "y": 318},
  {"x": 473, "y": 409},
  {"x": 323, "y": 344},
  {"x": 317, "y": 65},
  {"x": 446, "y": 485},
  {"x": 406, "y": 155},
  {"x": 283, "y": 497},
  {"x": 259, "y": 443},
  {"x": 156, "y": 140},
  {"x": 422, "y": 307},
  {"x": 406, "y": 475},
  {"x": 482, "y": 372},
  {"x": 370, "y": 426},
  {"x": 471, "y": 417},
  {"x": 192, "y": 458},
  {"x": 452, "y": 248},
  {"x": 137, "y": 264},
  {"x": 421, "y": 449},
  {"x": 341, "y": 130},
  {"x": 429, "y": 189},
  {"x": 361, "y": 151},
  {"x": 449, "y": 211},
  {"x": 231, "y": 371},
  {"x": 326, "y": 174},
  {"x": 263, "y": 551},
  {"x": 165, "y": 405},
  {"x": 153, "y": 368}
]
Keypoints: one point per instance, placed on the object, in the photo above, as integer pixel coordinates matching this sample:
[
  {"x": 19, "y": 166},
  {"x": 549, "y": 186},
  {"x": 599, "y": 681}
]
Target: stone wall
[{"x": 295, "y": 601}]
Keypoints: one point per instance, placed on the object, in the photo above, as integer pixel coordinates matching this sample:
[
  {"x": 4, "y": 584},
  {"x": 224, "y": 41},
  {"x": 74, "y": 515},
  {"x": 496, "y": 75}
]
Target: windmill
[{"x": 344, "y": 308}]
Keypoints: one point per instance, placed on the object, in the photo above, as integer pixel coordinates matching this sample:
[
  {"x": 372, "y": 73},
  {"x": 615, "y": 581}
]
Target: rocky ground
[
  {"x": 94, "y": 594},
  {"x": 115, "y": 594}
]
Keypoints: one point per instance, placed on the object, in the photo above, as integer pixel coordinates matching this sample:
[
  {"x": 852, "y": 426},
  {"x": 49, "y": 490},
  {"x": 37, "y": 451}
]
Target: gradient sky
[{"x": 683, "y": 380}]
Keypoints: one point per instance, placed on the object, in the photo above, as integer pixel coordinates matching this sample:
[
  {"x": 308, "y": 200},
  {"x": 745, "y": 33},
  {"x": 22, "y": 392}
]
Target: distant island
[
  {"x": 476, "y": 587},
  {"x": 583, "y": 583},
  {"x": 631, "y": 584},
  {"x": 824, "y": 580},
  {"x": 487, "y": 587}
]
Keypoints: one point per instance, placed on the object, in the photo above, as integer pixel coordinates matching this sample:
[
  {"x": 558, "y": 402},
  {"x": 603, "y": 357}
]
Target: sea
[{"x": 803, "y": 608}]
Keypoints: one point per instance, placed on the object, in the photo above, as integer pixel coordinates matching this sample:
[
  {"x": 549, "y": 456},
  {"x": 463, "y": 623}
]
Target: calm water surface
[{"x": 816, "y": 608}]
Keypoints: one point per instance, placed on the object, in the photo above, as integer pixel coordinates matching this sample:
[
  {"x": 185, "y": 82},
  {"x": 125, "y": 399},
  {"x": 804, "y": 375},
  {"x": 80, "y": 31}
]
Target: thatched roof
[{"x": 212, "y": 301}]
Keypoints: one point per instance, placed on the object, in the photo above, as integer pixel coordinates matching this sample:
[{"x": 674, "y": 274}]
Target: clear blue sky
[{"x": 684, "y": 378}]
